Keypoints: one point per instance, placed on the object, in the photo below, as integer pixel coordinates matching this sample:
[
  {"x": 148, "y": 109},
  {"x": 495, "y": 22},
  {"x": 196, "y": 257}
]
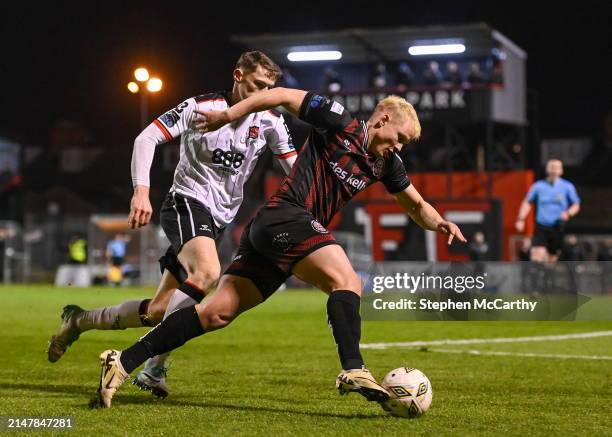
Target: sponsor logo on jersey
[
  {"x": 282, "y": 241},
  {"x": 378, "y": 166},
  {"x": 170, "y": 118},
  {"x": 351, "y": 179},
  {"x": 318, "y": 227}
]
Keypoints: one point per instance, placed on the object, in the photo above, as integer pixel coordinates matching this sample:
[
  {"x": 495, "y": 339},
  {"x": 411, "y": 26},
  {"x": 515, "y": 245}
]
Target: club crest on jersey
[
  {"x": 318, "y": 227},
  {"x": 378, "y": 166},
  {"x": 253, "y": 132}
]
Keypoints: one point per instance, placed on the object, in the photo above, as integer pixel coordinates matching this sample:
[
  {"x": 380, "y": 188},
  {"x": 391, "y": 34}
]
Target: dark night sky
[{"x": 73, "y": 60}]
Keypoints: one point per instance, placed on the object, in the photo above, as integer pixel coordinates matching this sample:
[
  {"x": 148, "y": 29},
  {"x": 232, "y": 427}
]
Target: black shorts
[
  {"x": 550, "y": 237},
  {"x": 183, "y": 218},
  {"x": 275, "y": 240}
]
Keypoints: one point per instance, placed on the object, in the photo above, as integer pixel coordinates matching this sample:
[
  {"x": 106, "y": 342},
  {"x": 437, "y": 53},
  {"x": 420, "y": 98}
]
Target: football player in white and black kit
[{"x": 205, "y": 196}]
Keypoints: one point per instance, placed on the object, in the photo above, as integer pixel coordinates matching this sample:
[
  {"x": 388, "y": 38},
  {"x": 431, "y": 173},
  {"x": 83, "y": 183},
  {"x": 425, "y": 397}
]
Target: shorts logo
[
  {"x": 205, "y": 228},
  {"x": 282, "y": 241},
  {"x": 253, "y": 132},
  {"x": 237, "y": 258},
  {"x": 318, "y": 227},
  {"x": 377, "y": 169}
]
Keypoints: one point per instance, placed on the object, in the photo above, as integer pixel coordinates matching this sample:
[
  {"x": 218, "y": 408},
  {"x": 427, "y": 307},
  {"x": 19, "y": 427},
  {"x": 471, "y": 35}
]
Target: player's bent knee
[
  {"x": 220, "y": 320},
  {"x": 213, "y": 320},
  {"x": 349, "y": 282}
]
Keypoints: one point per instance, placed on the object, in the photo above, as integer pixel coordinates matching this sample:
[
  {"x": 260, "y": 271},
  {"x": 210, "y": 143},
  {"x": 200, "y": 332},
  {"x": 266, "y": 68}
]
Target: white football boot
[
  {"x": 111, "y": 377},
  {"x": 361, "y": 381},
  {"x": 153, "y": 379}
]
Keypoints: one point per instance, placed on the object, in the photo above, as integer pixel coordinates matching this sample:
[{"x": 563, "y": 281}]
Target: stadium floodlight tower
[
  {"x": 148, "y": 85},
  {"x": 483, "y": 119}
]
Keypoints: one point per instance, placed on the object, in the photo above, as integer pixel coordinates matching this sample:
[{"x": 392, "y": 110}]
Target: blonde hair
[{"x": 398, "y": 105}]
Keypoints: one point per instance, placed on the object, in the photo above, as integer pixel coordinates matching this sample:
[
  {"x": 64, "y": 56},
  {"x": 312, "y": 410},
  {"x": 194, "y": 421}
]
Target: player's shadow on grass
[
  {"x": 183, "y": 403},
  {"x": 126, "y": 398},
  {"x": 77, "y": 389}
]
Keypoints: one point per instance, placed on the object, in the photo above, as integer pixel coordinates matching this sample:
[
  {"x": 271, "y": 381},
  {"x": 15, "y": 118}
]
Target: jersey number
[{"x": 227, "y": 158}]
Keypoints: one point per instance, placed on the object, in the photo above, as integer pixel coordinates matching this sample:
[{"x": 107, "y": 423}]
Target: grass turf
[{"x": 272, "y": 373}]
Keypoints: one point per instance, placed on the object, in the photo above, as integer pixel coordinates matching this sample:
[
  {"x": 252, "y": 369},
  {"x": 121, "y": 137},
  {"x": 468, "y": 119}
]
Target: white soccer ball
[{"x": 411, "y": 392}]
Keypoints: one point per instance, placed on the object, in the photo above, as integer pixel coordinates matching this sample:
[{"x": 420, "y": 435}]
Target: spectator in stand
[
  {"x": 453, "y": 75},
  {"x": 478, "y": 248},
  {"x": 605, "y": 255},
  {"x": 479, "y": 251},
  {"x": 524, "y": 251},
  {"x": 115, "y": 256},
  {"x": 605, "y": 251},
  {"x": 497, "y": 76},
  {"x": 332, "y": 79},
  {"x": 571, "y": 250},
  {"x": 475, "y": 76},
  {"x": 380, "y": 80},
  {"x": 432, "y": 75},
  {"x": 404, "y": 78},
  {"x": 77, "y": 250}
]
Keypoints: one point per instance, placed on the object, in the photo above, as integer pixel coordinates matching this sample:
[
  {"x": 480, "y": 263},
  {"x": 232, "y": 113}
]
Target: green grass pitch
[{"x": 272, "y": 372}]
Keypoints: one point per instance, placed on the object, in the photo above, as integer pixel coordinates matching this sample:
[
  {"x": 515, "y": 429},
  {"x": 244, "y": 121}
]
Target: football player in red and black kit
[{"x": 342, "y": 157}]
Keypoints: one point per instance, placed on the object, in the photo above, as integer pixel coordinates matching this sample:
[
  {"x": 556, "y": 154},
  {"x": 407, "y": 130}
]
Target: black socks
[
  {"x": 345, "y": 322},
  {"x": 192, "y": 291},
  {"x": 178, "y": 328}
]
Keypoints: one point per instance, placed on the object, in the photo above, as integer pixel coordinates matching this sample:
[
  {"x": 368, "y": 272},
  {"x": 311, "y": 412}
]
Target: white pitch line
[
  {"x": 522, "y": 354},
  {"x": 487, "y": 340}
]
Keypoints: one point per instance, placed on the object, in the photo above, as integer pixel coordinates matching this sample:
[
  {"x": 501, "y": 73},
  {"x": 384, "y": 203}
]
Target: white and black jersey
[{"x": 213, "y": 167}]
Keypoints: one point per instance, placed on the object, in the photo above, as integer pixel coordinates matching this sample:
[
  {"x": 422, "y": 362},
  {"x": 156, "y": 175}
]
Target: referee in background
[{"x": 556, "y": 202}]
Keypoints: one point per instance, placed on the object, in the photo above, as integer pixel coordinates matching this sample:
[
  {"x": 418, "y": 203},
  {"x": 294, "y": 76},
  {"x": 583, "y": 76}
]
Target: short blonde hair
[{"x": 401, "y": 107}]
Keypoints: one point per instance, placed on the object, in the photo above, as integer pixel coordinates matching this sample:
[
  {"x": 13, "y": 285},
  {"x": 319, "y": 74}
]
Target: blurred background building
[{"x": 482, "y": 144}]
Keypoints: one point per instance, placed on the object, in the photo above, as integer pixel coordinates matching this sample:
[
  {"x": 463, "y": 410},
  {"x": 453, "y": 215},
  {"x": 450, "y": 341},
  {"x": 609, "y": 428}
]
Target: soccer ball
[{"x": 410, "y": 390}]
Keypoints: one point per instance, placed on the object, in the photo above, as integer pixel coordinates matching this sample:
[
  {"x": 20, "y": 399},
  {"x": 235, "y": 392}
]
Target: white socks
[{"x": 124, "y": 315}]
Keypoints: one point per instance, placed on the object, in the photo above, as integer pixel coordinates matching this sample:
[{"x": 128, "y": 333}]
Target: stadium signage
[
  {"x": 440, "y": 104},
  {"x": 439, "y": 99}
]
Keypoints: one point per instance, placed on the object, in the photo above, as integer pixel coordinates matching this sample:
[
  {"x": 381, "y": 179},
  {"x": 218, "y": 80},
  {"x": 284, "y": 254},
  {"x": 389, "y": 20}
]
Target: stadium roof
[{"x": 389, "y": 44}]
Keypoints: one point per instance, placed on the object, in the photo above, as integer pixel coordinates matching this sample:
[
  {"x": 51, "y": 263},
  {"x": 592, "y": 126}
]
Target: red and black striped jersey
[{"x": 334, "y": 164}]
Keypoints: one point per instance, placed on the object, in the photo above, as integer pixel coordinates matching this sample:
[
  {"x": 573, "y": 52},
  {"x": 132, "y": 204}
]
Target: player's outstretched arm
[
  {"x": 426, "y": 216},
  {"x": 290, "y": 99}
]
